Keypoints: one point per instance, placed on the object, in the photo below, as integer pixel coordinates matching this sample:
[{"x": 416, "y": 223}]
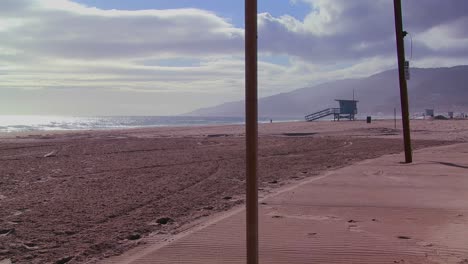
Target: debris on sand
[
  {"x": 404, "y": 237},
  {"x": 134, "y": 236},
  {"x": 51, "y": 154},
  {"x": 64, "y": 260},
  {"x": 30, "y": 246},
  {"x": 6, "y": 232},
  {"x": 164, "y": 220}
]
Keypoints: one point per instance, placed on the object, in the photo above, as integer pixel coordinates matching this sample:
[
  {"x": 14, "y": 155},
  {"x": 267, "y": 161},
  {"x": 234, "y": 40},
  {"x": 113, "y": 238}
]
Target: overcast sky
[{"x": 159, "y": 57}]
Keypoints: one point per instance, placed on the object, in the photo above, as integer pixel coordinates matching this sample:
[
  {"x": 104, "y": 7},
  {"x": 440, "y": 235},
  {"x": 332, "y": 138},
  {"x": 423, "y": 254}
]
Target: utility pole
[
  {"x": 400, "y": 34},
  {"x": 251, "y": 130}
]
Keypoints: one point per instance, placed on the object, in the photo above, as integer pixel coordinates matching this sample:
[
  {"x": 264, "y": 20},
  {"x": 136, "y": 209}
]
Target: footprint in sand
[
  {"x": 17, "y": 213},
  {"x": 374, "y": 173},
  {"x": 425, "y": 244},
  {"x": 379, "y": 173},
  {"x": 355, "y": 228},
  {"x": 305, "y": 217}
]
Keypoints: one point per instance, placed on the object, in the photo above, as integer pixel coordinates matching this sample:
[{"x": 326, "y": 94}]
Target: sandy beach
[{"x": 84, "y": 196}]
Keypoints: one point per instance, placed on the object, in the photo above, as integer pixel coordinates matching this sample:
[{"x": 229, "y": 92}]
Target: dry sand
[
  {"x": 77, "y": 197},
  {"x": 376, "y": 211}
]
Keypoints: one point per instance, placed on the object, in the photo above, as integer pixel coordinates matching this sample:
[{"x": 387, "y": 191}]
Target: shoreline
[
  {"x": 261, "y": 121},
  {"x": 420, "y": 129}
]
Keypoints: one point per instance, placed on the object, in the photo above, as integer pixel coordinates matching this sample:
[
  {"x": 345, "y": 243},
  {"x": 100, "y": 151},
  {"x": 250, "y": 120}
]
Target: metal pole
[
  {"x": 403, "y": 87},
  {"x": 251, "y": 133}
]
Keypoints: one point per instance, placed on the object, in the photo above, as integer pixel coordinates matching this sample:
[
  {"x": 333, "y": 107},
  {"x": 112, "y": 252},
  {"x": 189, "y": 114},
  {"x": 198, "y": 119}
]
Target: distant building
[{"x": 430, "y": 112}]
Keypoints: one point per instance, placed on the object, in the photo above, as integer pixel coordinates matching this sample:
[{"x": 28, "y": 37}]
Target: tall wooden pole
[
  {"x": 251, "y": 130},
  {"x": 403, "y": 86}
]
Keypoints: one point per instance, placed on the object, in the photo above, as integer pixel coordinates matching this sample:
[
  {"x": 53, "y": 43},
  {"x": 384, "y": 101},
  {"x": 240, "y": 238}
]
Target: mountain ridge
[{"x": 444, "y": 89}]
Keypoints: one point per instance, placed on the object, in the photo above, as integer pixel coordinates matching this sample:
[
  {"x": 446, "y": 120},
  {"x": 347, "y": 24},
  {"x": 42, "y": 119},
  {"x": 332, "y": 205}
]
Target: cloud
[
  {"x": 448, "y": 38},
  {"x": 75, "y": 31},
  {"x": 346, "y": 31},
  {"x": 61, "y": 47}
]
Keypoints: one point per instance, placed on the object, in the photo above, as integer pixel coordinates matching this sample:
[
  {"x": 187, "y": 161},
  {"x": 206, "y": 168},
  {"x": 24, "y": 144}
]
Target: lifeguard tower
[{"x": 347, "y": 109}]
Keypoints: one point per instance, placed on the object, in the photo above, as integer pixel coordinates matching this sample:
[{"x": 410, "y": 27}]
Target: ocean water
[
  {"x": 50, "y": 123},
  {"x": 24, "y": 123}
]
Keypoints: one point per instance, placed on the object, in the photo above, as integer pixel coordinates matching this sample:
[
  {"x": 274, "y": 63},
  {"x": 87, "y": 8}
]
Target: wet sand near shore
[{"x": 78, "y": 197}]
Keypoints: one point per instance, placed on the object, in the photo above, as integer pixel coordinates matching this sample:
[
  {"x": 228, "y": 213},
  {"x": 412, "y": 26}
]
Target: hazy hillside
[{"x": 441, "y": 88}]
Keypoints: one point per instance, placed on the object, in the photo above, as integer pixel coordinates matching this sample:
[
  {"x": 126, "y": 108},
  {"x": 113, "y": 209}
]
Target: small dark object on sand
[
  {"x": 218, "y": 135},
  {"x": 6, "y": 232},
  {"x": 134, "y": 236},
  {"x": 64, "y": 260},
  {"x": 208, "y": 208},
  {"x": 298, "y": 134},
  {"x": 404, "y": 237},
  {"x": 227, "y": 197},
  {"x": 274, "y": 182},
  {"x": 352, "y": 221},
  {"x": 164, "y": 220}
]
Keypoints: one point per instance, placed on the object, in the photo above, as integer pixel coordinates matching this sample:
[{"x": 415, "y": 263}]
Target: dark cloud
[
  {"x": 342, "y": 30},
  {"x": 421, "y": 15}
]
